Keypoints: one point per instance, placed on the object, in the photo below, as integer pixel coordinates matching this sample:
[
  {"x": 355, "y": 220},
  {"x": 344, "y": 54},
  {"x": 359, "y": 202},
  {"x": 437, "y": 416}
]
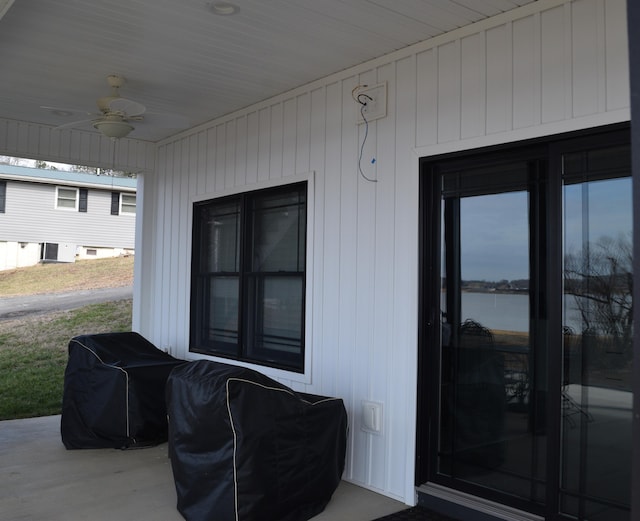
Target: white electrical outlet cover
[{"x": 372, "y": 417}]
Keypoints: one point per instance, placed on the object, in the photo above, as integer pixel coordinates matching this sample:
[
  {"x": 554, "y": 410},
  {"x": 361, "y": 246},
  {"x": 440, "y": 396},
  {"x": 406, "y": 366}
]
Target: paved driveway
[{"x": 14, "y": 307}]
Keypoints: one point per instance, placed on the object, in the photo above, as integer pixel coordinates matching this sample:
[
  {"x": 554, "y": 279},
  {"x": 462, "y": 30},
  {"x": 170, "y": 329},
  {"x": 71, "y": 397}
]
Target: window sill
[{"x": 271, "y": 372}]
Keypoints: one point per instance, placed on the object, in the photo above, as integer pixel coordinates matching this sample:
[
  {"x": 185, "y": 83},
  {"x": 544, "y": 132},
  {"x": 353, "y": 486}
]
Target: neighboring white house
[
  {"x": 60, "y": 216},
  {"x": 533, "y": 102}
]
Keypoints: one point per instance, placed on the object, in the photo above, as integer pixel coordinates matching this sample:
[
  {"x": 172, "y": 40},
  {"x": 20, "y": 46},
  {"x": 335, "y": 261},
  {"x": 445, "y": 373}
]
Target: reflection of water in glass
[
  {"x": 509, "y": 311},
  {"x": 505, "y": 311}
]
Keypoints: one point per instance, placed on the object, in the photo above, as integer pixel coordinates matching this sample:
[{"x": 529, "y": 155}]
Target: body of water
[{"x": 508, "y": 311}]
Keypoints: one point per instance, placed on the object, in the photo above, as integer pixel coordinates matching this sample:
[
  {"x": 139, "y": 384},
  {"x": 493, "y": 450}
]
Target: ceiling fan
[{"x": 117, "y": 114}]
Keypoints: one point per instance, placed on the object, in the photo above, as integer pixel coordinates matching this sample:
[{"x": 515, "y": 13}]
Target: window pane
[
  {"x": 66, "y": 198},
  {"x": 223, "y": 313},
  {"x": 66, "y": 203},
  {"x": 597, "y": 351},
  {"x": 486, "y": 434},
  {"x": 67, "y": 193},
  {"x": 276, "y": 316},
  {"x": 278, "y": 238},
  {"x": 128, "y": 203},
  {"x": 221, "y": 237}
]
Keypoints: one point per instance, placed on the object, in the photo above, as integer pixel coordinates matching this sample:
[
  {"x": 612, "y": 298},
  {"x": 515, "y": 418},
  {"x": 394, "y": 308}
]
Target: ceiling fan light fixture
[
  {"x": 113, "y": 129},
  {"x": 223, "y": 8}
]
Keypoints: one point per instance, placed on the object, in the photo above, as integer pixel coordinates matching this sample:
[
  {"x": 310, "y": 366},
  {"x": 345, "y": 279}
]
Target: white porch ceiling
[{"x": 179, "y": 57}]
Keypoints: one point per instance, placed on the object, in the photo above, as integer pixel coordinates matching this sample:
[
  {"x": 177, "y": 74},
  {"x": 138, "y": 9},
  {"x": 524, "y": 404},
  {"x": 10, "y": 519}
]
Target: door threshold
[{"x": 453, "y": 502}]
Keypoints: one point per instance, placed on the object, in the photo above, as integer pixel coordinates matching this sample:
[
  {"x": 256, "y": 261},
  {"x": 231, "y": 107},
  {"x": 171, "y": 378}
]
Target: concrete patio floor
[{"x": 41, "y": 480}]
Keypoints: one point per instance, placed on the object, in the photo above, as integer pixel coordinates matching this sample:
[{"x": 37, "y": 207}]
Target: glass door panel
[
  {"x": 527, "y": 321},
  {"x": 596, "y": 386},
  {"x": 487, "y": 423}
]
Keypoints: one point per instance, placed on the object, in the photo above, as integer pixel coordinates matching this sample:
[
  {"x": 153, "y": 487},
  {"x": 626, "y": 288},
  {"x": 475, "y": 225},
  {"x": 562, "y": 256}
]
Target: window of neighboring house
[
  {"x": 248, "y": 276},
  {"x": 128, "y": 204},
  {"x": 66, "y": 198},
  {"x": 3, "y": 196},
  {"x": 123, "y": 203}
]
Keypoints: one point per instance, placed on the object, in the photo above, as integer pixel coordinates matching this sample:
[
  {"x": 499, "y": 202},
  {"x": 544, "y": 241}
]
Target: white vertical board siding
[
  {"x": 449, "y": 91},
  {"x": 185, "y": 186},
  {"x": 427, "y": 97},
  {"x": 345, "y": 265},
  {"x": 588, "y": 95},
  {"x": 473, "y": 85},
  {"x": 616, "y": 57},
  {"x": 398, "y": 253},
  {"x": 75, "y": 147},
  {"x": 499, "y": 60},
  {"x": 331, "y": 357},
  {"x": 324, "y": 376},
  {"x": 526, "y": 71},
  {"x": 555, "y": 49},
  {"x": 523, "y": 74},
  {"x": 302, "y": 134}
]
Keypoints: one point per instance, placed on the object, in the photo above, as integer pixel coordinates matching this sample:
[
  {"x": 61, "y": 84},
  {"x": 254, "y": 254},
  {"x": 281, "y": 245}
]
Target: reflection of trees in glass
[{"x": 600, "y": 277}]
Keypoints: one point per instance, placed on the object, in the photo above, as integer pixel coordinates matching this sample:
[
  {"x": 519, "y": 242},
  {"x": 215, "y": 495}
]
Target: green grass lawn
[
  {"x": 33, "y": 355},
  {"x": 73, "y": 276}
]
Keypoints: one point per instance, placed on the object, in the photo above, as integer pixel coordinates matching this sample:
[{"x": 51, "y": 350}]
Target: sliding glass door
[
  {"x": 526, "y": 327},
  {"x": 488, "y": 421},
  {"x": 597, "y": 317}
]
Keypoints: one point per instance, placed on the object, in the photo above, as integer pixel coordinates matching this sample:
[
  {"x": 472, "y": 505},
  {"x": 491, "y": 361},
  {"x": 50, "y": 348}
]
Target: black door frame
[
  {"x": 427, "y": 335},
  {"x": 633, "y": 22}
]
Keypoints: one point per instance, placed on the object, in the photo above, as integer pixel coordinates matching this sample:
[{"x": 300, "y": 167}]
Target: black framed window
[{"x": 248, "y": 276}]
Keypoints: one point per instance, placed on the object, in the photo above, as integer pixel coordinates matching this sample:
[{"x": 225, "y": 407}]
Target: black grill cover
[
  {"x": 244, "y": 447},
  {"x": 114, "y": 392}
]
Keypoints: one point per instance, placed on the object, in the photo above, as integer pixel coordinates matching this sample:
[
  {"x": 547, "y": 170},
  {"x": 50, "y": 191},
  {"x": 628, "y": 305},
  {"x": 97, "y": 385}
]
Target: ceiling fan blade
[
  {"x": 126, "y": 107},
  {"x": 64, "y": 111},
  {"x": 117, "y": 115},
  {"x": 73, "y": 124}
]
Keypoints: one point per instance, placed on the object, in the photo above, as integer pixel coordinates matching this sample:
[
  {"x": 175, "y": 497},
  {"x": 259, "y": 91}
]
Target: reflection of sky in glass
[
  {"x": 495, "y": 232},
  {"x": 495, "y": 237},
  {"x": 609, "y": 201}
]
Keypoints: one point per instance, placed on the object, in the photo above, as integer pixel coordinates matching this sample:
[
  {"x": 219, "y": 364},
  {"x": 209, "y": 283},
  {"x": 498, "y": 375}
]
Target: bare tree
[{"x": 600, "y": 277}]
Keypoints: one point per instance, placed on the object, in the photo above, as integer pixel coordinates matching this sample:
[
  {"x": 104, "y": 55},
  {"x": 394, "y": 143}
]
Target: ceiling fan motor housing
[{"x": 115, "y": 82}]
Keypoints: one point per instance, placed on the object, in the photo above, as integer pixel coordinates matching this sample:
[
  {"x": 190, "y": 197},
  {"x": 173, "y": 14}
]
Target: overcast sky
[{"x": 495, "y": 231}]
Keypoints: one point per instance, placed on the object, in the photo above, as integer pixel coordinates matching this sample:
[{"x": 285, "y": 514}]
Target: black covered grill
[
  {"x": 114, "y": 396},
  {"x": 244, "y": 447}
]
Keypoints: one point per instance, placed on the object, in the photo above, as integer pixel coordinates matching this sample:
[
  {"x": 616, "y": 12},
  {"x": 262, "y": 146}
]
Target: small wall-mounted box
[
  {"x": 371, "y": 417},
  {"x": 375, "y": 102}
]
